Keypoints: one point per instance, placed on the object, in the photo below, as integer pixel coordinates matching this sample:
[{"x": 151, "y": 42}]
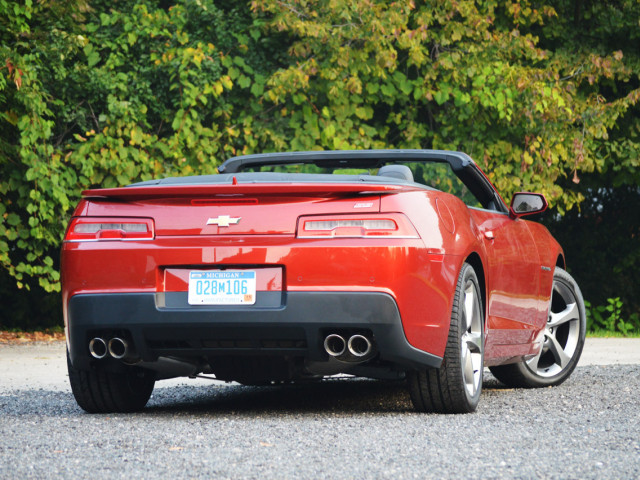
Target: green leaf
[
  {"x": 13, "y": 219},
  {"x": 93, "y": 57},
  {"x": 244, "y": 82},
  {"x": 441, "y": 97}
]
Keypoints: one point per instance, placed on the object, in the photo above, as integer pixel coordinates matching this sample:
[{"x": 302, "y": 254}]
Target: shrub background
[{"x": 544, "y": 95}]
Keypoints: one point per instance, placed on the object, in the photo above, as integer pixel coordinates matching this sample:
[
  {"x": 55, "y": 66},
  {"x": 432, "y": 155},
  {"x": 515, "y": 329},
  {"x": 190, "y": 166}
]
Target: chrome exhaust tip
[
  {"x": 335, "y": 345},
  {"x": 98, "y": 348},
  {"x": 118, "y": 348},
  {"x": 359, "y": 346}
]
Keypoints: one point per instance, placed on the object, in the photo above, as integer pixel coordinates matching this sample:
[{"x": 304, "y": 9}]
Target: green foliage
[
  {"x": 472, "y": 76},
  {"x": 103, "y": 93},
  {"x": 610, "y": 319},
  {"x": 22, "y": 309},
  {"x": 601, "y": 240}
]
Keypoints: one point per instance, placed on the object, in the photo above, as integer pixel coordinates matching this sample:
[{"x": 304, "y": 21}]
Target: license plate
[{"x": 224, "y": 287}]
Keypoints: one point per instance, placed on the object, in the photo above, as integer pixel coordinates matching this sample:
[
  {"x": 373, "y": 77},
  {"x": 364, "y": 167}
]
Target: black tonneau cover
[{"x": 275, "y": 177}]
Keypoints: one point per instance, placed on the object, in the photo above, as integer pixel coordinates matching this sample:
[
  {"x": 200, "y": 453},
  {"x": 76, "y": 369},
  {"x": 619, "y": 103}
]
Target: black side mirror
[{"x": 525, "y": 203}]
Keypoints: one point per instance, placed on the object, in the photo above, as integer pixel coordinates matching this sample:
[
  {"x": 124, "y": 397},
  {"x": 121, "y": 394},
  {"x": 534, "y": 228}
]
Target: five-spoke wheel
[{"x": 564, "y": 336}]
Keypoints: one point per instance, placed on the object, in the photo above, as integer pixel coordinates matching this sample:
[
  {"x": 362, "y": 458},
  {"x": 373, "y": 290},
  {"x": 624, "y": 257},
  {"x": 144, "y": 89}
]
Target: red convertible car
[{"x": 389, "y": 264}]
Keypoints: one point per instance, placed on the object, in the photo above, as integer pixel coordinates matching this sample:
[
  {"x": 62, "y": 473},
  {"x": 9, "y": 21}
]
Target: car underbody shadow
[{"x": 344, "y": 395}]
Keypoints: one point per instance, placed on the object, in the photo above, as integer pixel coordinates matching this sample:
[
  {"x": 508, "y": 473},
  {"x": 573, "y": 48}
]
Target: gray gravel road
[{"x": 588, "y": 427}]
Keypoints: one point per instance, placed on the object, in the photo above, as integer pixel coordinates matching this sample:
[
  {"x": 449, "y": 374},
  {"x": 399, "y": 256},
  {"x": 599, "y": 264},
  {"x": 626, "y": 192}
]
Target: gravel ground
[{"x": 588, "y": 427}]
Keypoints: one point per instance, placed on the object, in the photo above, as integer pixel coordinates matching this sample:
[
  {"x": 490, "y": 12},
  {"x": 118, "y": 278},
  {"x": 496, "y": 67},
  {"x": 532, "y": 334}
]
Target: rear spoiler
[{"x": 272, "y": 189}]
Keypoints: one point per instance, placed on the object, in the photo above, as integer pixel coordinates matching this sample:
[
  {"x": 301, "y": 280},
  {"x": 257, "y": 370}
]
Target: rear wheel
[
  {"x": 99, "y": 391},
  {"x": 564, "y": 337},
  {"x": 455, "y": 387}
]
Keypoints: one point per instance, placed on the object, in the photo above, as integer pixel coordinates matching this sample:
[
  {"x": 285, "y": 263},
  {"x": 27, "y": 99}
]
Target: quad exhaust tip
[
  {"x": 359, "y": 346},
  {"x": 118, "y": 348},
  {"x": 335, "y": 345},
  {"x": 98, "y": 348},
  {"x": 356, "y": 348}
]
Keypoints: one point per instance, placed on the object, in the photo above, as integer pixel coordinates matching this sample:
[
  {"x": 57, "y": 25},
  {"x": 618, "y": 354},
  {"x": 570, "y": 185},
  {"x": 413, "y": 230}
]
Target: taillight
[
  {"x": 93, "y": 229},
  {"x": 394, "y": 225}
]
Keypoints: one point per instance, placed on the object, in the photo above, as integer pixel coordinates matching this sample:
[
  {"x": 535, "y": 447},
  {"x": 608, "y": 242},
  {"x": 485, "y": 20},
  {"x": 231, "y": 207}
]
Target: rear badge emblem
[{"x": 223, "y": 221}]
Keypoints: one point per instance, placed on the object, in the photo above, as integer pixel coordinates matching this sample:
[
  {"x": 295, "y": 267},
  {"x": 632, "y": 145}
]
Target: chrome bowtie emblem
[{"x": 223, "y": 221}]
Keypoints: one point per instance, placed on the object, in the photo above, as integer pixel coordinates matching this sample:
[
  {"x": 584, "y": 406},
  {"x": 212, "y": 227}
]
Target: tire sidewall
[{"x": 467, "y": 275}]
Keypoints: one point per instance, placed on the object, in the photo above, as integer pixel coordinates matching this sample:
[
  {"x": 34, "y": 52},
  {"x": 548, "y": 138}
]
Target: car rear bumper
[{"x": 163, "y": 324}]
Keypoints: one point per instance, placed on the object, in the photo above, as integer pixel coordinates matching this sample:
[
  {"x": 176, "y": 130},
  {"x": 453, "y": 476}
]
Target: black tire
[
  {"x": 564, "y": 338},
  {"x": 98, "y": 391},
  {"x": 455, "y": 387}
]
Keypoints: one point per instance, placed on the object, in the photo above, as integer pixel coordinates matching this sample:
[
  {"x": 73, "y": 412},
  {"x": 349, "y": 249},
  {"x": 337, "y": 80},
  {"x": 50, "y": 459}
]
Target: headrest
[{"x": 396, "y": 171}]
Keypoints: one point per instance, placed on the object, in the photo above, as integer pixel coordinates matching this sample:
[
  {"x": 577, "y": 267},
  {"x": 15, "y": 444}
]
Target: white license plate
[{"x": 223, "y": 287}]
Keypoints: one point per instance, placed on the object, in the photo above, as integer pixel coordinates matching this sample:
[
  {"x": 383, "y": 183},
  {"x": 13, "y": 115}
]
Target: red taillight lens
[
  {"x": 88, "y": 229},
  {"x": 394, "y": 225}
]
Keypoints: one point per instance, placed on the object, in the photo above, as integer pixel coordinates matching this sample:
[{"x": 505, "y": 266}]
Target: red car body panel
[{"x": 418, "y": 270}]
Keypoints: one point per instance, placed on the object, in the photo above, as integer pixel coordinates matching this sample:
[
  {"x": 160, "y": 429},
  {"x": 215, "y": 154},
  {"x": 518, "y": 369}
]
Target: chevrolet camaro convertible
[{"x": 289, "y": 267}]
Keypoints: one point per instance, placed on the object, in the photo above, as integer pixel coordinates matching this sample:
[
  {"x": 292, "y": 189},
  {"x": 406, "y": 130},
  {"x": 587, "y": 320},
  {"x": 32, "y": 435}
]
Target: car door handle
[{"x": 488, "y": 235}]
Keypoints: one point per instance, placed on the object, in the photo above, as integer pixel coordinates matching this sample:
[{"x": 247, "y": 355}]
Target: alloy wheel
[
  {"x": 561, "y": 334},
  {"x": 471, "y": 348}
]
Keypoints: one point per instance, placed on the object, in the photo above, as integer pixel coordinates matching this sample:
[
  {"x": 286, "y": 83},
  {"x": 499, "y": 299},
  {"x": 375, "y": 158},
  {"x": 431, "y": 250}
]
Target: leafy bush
[
  {"x": 104, "y": 93},
  {"x": 601, "y": 240},
  {"x": 32, "y": 309},
  {"x": 609, "y": 318}
]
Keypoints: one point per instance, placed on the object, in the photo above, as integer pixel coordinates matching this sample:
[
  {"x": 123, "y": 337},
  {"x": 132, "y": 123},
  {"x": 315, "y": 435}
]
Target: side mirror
[{"x": 524, "y": 203}]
